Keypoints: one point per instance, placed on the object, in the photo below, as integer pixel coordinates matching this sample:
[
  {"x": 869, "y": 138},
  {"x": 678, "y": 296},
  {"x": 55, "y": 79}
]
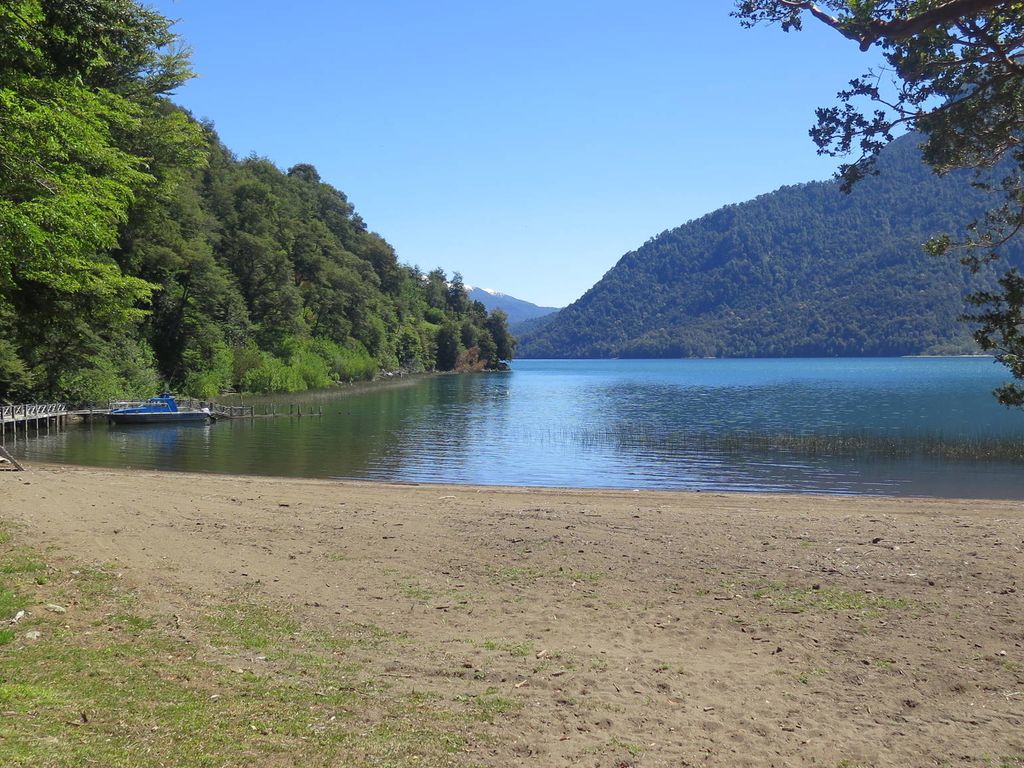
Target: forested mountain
[
  {"x": 803, "y": 271},
  {"x": 137, "y": 252},
  {"x": 515, "y": 309},
  {"x": 531, "y": 325}
]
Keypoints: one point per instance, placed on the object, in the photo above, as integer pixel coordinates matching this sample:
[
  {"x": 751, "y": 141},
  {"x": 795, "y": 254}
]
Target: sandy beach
[{"x": 629, "y": 628}]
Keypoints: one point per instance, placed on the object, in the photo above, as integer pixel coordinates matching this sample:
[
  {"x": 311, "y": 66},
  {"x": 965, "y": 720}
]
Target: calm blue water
[{"x": 609, "y": 423}]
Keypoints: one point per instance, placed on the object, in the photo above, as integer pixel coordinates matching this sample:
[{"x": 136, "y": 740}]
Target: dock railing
[
  {"x": 217, "y": 409},
  {"x": 37, "y": 415},
  {"x": 29, "y": 411}
]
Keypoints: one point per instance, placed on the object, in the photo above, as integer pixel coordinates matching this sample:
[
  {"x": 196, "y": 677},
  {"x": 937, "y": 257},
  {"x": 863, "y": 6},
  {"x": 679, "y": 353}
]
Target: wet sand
[{"x": 630, "y": 628}]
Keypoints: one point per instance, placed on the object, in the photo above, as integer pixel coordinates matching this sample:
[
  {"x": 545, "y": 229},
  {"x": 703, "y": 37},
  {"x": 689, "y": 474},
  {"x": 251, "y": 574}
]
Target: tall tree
[
  {"x": 82, "y": 124},
  {"x": 504, "y": 341},
  {"x": 134, "y": 245},
  {"x": 955, "y": 73}
]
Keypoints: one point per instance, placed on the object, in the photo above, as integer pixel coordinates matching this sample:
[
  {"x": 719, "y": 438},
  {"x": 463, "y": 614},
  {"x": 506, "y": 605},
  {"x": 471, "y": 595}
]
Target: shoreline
[
  {"x": 625, "y": 491},
  {"x": 1010, "y": 506},
  {"x": 618, "y": 627},
  {"x": 343, "y": 388}
]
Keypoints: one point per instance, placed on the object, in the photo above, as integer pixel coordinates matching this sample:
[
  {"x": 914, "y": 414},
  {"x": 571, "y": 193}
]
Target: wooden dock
[
  {"x": 41, "y": 418},
  {"x": 218, "y": 410},
  {"x": 37, "y": 416}
]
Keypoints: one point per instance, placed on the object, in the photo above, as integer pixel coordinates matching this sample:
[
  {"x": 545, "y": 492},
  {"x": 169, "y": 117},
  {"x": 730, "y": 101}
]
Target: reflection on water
[{"x": 688, "y": 424}]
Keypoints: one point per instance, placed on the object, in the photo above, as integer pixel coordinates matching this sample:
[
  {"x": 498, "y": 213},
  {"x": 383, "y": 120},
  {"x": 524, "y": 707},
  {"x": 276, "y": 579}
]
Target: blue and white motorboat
[{"x": 162, "y": 409}]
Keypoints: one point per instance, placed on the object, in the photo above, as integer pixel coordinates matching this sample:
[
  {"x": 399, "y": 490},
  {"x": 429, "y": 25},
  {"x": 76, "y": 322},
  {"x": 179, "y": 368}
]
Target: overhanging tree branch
[
  {"x": 956, "y": 72},
  {"x": 898, "y": 28}
]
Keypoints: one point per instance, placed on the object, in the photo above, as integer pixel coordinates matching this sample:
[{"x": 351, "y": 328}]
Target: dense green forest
[
  {"x": 803, "y": 271},
  {"x": 137, "y": 252}
]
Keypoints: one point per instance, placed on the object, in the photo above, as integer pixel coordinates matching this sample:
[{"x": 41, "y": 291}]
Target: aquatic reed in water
[{"x": 861, "y": 445}]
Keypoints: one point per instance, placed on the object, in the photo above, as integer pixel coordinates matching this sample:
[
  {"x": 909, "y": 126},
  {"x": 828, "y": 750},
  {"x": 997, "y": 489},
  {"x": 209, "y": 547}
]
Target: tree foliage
[
  {"x": 954, "y": 71},
  {"x": 135, "y": 249},
  {"x": 80, "y": 129}
]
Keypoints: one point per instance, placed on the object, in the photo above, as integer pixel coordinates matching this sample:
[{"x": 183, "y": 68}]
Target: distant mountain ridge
[
  {"x": 517, "y": 310},
  {"x": 802, "y": 271}
]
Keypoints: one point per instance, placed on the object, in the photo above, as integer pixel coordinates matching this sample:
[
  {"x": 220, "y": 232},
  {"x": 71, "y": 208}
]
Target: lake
[{"x": 907, "y": 426}]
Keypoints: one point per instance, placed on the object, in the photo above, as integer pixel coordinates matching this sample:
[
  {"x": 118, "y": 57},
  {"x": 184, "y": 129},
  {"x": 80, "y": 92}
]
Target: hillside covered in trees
[
  {"x": 137, "y": 252},
  {"x": 803, "y": 271}
]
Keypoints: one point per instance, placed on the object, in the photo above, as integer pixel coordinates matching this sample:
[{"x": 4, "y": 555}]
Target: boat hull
[{"x": 177, "y": 417}]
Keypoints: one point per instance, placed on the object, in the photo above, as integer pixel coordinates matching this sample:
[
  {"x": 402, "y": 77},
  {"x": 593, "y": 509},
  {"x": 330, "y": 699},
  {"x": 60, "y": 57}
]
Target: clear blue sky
[{"x": 527, "y": 144}]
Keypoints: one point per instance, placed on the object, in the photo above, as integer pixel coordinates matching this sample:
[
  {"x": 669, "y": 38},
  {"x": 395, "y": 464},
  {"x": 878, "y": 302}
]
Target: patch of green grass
[
  {"x": 390, "y": 744},
  {"x": 799, "y": 600},
  {"x": 487, "y": 706},
  {"x": 590, "y": 577},
  {"x": 98, "y": 584},
  {"x": 634, "y": 749},
  {"x": 6, "y": 636},
  {"x": 121, "y": 696},
  {"x": 132, "y": 623},
  {"x": 366, "y": 637},
  {"x": 806, "y": 677},
  {"x": 21, "y": 561},
  {"x": 516, "y": 576},
  {"x": 10, "y": 602},
  {"x": 519, "y": 649},
  {"x": 250, "y": 625},
  {"x": 370, "y": 635},
  {"x": 414, "y": 591},
  {"x": 417, "y": 698}
]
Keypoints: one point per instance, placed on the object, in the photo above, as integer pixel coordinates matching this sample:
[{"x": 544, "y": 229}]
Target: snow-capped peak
[{"x": 491, "y": 291}]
